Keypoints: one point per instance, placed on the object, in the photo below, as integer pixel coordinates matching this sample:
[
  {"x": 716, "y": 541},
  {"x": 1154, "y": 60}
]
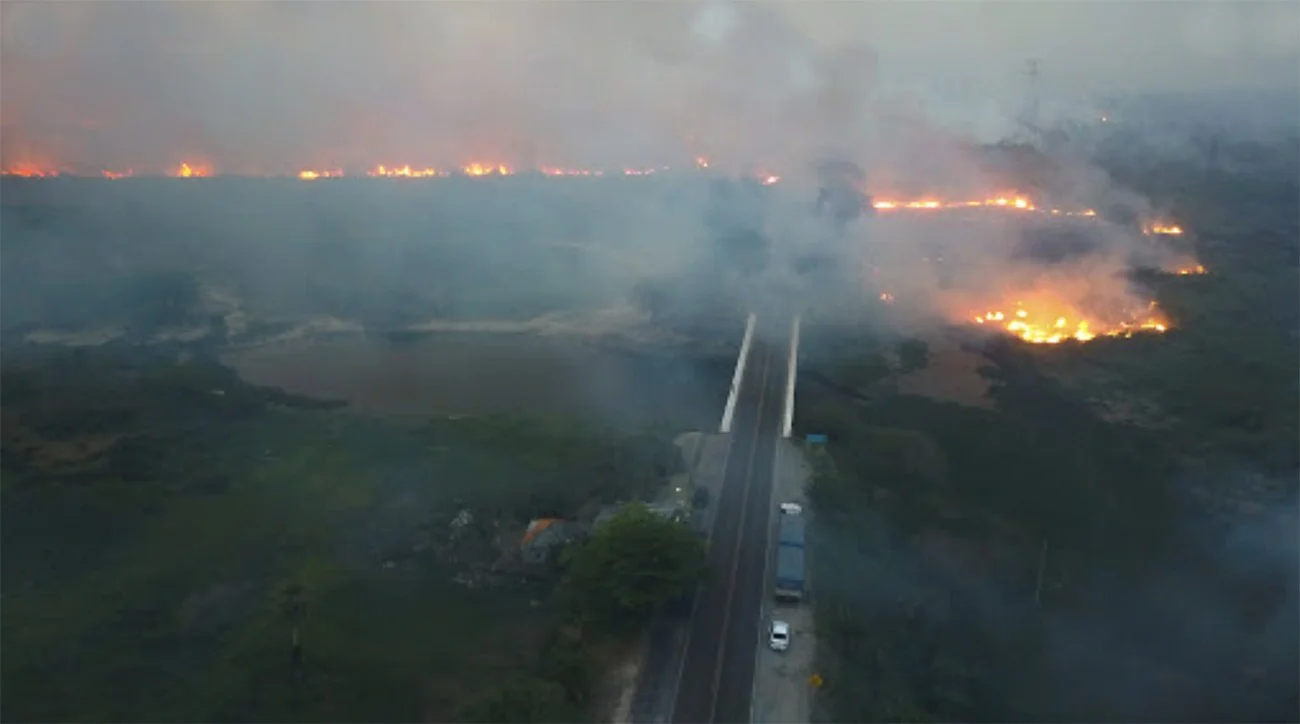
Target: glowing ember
[
  {"x": 1048, "y": 324},
  {"x": 1164, "y": 229},
  {"x": 188, "y": 171},
  {"x": 30, "y": 170},
  {"x": 402, "y": 172},
  {"x": 552, "y": 171},
  {"x": 1010, "y": 201},
  {"x": 195, "y": 170},
  {"x": 309, "y": 175},
  {"x": 1191, "y": 270},
  {"x": 478, "y": 169}
]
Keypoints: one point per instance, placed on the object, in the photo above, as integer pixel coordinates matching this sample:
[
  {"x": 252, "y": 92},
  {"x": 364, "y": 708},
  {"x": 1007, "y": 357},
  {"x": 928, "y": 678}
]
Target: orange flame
[
  {"x": 30, "y": 170},
  {"x": 479, "y": 169},
  {"x": 1164, "y": 229},
  {"x": 1011, "y": 202},
  {"x": 190, "y": 169},
  {"x": 1008, "y": 201},
  {"x": 403, "y": 172},
  {"x": 553, "y": 171},
  {"x": 1192, "y": 270},
  {"x": 309, "y": 175},
  {"x": 1048, "y": 322},
  {"x": 187, "y": 171}
]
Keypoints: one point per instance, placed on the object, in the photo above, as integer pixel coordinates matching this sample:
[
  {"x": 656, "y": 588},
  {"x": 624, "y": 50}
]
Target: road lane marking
[
  {"x": 791, "y": 368},
  {"x": 740, "y": 536},
  {"x": 726, "y": 462},
  {"x": 737, "y": 378},
  {"x": 766, "y": 609}
]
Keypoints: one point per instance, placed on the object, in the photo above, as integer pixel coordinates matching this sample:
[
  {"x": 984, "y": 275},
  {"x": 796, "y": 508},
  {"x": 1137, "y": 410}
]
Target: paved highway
[{"x": 718, "y": 672}]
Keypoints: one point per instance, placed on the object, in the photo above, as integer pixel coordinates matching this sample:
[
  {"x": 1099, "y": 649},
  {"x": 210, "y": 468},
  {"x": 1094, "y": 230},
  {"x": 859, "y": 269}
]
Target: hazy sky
[{"x": 275, "y": 87}]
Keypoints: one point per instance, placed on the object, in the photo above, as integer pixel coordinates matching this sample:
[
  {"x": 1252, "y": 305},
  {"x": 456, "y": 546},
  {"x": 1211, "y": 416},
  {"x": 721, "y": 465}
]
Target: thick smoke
[
  {"x": 273, "y": 88},
  {"x": 757, "y": 89},
  {"x": 270, "y": 90}
]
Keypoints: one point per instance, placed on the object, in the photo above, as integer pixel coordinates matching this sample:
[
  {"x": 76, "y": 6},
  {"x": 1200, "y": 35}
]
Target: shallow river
[{"x": 478, "y": 373}]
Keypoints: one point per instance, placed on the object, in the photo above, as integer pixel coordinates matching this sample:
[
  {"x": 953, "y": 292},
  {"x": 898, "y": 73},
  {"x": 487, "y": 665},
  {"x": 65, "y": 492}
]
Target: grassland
[
  {"x": 166, "y": 526},
  {"x": 1110, "y": 536}
]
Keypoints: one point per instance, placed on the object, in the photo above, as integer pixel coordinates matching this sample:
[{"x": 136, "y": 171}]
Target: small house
[{"x": 544, "y": 539}]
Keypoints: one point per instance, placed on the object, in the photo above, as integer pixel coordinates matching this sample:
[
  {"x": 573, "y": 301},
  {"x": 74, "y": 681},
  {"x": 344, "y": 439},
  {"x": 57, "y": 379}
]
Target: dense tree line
[{"x": 632, "y": 567}]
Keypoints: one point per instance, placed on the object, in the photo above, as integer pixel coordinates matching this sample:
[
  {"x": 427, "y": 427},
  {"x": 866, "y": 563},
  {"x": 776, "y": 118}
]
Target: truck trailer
[
  {"x": 789, "y": 573},
  {"x": 790, "y": 532}
]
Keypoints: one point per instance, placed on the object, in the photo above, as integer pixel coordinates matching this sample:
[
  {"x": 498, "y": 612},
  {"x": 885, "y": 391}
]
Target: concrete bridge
[{"x": 716, "y": 682}]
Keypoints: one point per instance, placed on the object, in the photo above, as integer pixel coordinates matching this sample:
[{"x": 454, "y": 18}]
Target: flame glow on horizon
[
  {"x": 185, "y": 170},
  {"x": 382, "y": 171},
  {"x": 1037, "y": 318},
  {"x": 486, "y": 169},
  {"x": 411, "y": 171},
  {"x": 309, "y": 175},
  {"x": 1008, "y": 201},
  {"x": 27, "y": 169}
]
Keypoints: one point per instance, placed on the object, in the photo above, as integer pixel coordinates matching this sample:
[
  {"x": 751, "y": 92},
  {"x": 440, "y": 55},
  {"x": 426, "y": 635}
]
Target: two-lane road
[{"x": 718, "y": 671}]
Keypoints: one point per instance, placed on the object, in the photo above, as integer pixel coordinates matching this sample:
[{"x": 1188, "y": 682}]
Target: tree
[
  {"x": 565, "y": 661},
  {"x": 632, "y": 566}
]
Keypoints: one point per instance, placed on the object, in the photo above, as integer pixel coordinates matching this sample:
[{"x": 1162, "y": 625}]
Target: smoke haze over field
[
  {"x": 247, "y": 88},
  {"x": 642, "y": 284},
  {"x": 276, "y": 87}
]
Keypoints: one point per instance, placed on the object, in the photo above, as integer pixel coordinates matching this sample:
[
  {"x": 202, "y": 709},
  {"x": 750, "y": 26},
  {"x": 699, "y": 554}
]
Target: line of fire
[{"x": 843, "y": 199}]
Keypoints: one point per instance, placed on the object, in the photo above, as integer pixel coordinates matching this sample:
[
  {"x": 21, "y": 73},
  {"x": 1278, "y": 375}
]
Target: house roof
[{"x": 535, "y": 527}]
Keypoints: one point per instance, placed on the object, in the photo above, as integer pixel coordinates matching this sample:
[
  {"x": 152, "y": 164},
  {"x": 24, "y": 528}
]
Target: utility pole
[
  {"x": 1030, "y": 119},
  {"x": 1042, "y": 566}
]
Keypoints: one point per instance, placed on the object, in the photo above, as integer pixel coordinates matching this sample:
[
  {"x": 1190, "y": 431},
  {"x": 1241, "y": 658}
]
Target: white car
[
  {"x": 779, "y": 636},
  {"x": 791, "y": 508}
]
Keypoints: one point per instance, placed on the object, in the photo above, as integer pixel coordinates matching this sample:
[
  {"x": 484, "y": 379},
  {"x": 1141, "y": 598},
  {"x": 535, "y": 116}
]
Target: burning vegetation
[
  {"x": 185, "y": 170},
  {"x": 406, "y": 170},
  {"x": 1051, "y": 313},
  {"x": 1038, "y": 319},
  {"x": 1009, "y": 201},
  {"x": 31, "y": 170},
  {"x": 1047, "y": 321},
  {"x": 308, "y": 175}
]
